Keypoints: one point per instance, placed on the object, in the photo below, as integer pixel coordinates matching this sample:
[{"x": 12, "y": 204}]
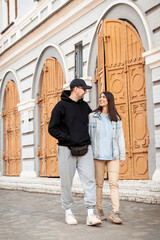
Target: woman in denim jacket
[{"x": 108, "y": 145}]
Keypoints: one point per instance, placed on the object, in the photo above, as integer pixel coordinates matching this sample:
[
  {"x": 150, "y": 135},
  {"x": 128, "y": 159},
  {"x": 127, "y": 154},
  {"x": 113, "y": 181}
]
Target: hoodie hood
[
  {"x": 69, "y": 121},
  {"x": 65, "y": 97}
]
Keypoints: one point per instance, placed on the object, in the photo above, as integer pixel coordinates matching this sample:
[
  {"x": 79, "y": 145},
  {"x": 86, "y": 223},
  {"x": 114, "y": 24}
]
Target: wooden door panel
[
  {"x": 125, "y": 78},
  {"x": 18, "y": 144},
  {"x": 11, "y": 145},
  {"x": 42, "y": 113},
  {"x": 50, "y": 103},
  {"x": 138, "y": 121},
  {"x": 51, "y": 86},
  {"x": 116, "y": 82},
  {"x": 60, "y": 81},
  {"x": 139, "y": 127},
  {"x": 113, "y": 32},
  {"x": 13, "y": 167},
  {"x": 11, "y": 121},
  {"x": 43, "y": 159},
  {"x": 140, "y": 165},
  {"x": 52, "y": 166},
  {"x": 100, "y": 71},
  {"x": 43, "y": 163},
  {"x": 137, "y": 83},
  {"x": 42, "y": 142},
  {"x": 18, "y": 161},
  {"x": 43, "y": 167},
  {"x": 51, "y": 151},
  {"x": 125, "y": 171},
  {"x": 140, "y": 140},
  {"x": 17, "y": 120},
  {"x": 12, "y": 131},
  {"x": 134, "y": 47},
  {"x": 51, "y": 89},
  {"x": 117, "y": 85}
]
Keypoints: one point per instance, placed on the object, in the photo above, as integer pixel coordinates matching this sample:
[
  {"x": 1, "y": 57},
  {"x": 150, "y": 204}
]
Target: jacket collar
[{"x": 97, "y": 115}]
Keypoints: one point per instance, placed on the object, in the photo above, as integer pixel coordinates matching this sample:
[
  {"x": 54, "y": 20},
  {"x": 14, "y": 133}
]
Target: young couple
[{"x": 80, "y": 141}]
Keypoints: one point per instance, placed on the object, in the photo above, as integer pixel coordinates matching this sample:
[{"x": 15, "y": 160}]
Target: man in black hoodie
[{"x": 69, "y": 124}]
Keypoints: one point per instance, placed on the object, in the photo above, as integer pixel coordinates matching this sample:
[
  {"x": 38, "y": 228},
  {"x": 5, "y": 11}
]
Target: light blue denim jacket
[{"x": 118, "y": 136}]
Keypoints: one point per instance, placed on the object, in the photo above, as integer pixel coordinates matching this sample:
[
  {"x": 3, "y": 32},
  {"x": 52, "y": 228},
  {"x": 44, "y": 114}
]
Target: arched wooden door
[
  {"x": 12, "y": 155},
  {"x": 125, "y": 78},
  {"x": 51, "y": 89}
]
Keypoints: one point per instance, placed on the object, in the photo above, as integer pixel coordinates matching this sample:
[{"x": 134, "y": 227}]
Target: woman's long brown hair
[{"x": 112, "y": 112}]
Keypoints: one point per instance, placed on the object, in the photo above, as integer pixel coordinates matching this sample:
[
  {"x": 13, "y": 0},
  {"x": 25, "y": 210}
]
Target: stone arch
[
  {"x": 140, "y": 23},
  {"x": 9, "y": 75},
  {"x": 129, "y": 11},
  {"x": 49, "y": 51}
]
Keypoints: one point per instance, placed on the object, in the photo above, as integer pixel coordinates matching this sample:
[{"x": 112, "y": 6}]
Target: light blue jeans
[{"x": 67, "y": 165}]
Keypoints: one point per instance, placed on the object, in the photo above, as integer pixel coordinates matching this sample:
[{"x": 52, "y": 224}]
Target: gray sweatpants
[{"x": 67, "y": 165}]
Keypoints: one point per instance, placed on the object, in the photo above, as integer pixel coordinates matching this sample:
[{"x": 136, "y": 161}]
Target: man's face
[{"x": 80, "y": 92}]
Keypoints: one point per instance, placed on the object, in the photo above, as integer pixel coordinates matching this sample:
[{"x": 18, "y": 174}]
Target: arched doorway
[
  {"x": 12, "y": 155},
  {"x": 51, "y": 88},
  {"x": 121, "y": 70}
]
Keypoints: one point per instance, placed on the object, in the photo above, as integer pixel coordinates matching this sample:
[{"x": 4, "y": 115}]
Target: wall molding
[{"x": 26, "y": 105}]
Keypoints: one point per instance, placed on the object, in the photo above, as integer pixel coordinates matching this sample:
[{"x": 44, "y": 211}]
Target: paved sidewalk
[
  {"x": 146, "y": 191},
  {"x": 37, "y": 216}
]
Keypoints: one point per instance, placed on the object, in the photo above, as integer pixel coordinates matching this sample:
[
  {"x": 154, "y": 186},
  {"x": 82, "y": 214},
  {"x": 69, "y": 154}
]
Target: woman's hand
[{"x": 122, "y": 162}]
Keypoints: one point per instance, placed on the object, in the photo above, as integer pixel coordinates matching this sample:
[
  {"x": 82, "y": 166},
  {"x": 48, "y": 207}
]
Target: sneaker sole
[
  {"x": 71, "y": 223},
  {"x": 105, "y": 219},
  {"x": 102, "y": 219},
  {"x": 113, "y": 221},
  {"x": 93, "y": 224}
]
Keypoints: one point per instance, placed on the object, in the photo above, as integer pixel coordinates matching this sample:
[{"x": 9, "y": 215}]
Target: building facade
[{"x": 113, "y": 45}]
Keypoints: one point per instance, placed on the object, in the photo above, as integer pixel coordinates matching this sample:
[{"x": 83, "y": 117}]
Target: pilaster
[
  {"x": 27, "y": 138},
  {"x": 152, "y": 59}
]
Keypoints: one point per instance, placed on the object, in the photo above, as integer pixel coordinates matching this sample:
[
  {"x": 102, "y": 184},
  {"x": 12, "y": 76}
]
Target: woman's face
[{"x": 103, "y": 102}]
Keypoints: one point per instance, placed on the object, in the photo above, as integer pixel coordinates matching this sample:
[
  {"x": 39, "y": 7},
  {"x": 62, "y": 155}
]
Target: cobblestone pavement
[{"x": 34, "y": 216}]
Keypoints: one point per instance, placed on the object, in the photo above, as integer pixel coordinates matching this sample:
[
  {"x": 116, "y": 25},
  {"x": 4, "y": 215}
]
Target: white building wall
[
  {"x": 152, "y": 12},
  {"x": 156, "y": 79},
  {"x": 79, "y": 29},
  {"x": 3, "y": 15},
  {"x": 24, "y": 7}
]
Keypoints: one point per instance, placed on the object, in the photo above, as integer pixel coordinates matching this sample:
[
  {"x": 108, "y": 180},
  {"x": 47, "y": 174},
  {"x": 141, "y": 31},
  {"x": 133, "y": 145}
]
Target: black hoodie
[{"x": 69, "y": 121}]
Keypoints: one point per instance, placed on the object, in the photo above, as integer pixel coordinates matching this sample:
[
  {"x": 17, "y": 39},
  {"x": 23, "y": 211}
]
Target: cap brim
[{"x": 87, "y": 87}]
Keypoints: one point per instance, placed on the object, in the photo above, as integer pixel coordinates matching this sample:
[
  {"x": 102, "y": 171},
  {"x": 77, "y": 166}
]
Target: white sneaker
[
  {"x": 70, "y": 219},
  {"x": 93, "y": 220}
]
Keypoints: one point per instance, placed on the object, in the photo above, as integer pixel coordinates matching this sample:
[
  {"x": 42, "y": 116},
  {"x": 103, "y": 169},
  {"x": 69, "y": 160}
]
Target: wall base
[
  {"x": 156, "y": 175},
  {"x": 28, "y": 174}
]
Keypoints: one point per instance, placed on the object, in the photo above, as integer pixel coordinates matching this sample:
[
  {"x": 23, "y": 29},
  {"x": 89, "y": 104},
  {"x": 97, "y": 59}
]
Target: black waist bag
[{"x": 79, "y": 151}]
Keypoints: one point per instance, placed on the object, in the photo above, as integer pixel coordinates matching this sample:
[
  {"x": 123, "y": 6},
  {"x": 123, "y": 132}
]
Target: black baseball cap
[{"x": 79, "y": 83}]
